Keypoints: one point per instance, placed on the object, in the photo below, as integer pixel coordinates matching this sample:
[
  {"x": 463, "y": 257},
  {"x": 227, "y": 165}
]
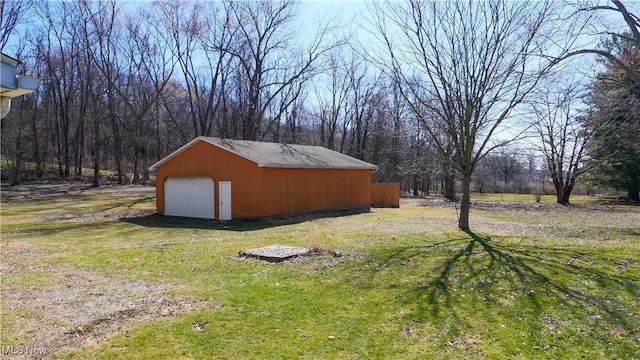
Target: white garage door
[{"x": 189, "y": 197}]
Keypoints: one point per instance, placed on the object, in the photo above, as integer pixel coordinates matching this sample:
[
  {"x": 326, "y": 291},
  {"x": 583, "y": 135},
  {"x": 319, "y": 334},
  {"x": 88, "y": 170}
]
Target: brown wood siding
[
  {"x": 203, "y": 159},
  {"x": 385, "y": 195},
  {"x": 288, "y": 191},
  {"x": 262, "y": 192}
]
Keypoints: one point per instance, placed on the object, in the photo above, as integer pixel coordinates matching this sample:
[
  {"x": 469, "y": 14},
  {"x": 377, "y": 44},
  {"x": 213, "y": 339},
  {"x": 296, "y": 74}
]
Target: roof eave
[
  {"x": 153, "y": 167},
  {"x": 310, "y": 166}
]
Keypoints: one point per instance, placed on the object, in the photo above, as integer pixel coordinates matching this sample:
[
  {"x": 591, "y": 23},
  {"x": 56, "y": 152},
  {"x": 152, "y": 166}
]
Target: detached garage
[{"x": 214, "y": 178}]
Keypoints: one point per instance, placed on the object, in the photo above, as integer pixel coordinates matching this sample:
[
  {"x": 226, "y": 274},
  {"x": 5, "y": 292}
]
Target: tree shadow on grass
[
  {"x": 465, "y": 278},
  {"x": 175, "y": 222},
  {"x": 239, "y": 224}
]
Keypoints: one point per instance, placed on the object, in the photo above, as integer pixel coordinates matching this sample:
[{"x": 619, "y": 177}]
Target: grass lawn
[{"x": 92, "y": 274}]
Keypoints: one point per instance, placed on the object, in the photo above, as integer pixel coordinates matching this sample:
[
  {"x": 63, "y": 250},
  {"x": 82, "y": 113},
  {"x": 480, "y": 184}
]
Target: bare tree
[
  {"x": 631, "y": 35},
  {"x": 559, "y": 127},
  {"x": 269, "y": 60},
  {"x": 12, "y": 14},
  {"x": 59, "y": 45},
  {"x": 147, "y": 70},
  {"x": 365, "y": 97},
  {"x": 102, "y": 17},
  {"x": 476, "y": 63},
  {"x": 198, "y": 34},
  {"x": 422, "y": 168},
  {"x": 331, "y": 96},
  {"x": 504, "y": 164}
]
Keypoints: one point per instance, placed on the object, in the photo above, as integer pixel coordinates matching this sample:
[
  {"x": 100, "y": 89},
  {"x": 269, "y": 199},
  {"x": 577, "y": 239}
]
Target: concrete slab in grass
[{"x": 274, "y": 253}]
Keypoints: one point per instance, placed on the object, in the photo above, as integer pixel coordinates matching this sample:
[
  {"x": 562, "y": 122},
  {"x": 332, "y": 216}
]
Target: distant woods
[{"x": 125, "y": 84}]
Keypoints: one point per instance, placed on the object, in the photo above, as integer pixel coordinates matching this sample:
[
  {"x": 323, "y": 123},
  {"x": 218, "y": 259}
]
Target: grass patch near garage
[{"x": 530, "y": 282}]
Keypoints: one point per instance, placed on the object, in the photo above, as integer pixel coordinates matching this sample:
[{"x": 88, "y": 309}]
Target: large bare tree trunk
[
  {"x": 559, "y": 186},
  {"x": 465, "y": 203}
]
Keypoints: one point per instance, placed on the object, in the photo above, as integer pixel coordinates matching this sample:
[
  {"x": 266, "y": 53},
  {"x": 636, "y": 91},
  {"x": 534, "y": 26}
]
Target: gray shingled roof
[{"x": 276, "y": 155}]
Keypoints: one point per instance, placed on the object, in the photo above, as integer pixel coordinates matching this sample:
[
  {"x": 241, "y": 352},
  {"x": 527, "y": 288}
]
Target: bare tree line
[{"x": 124, "y": 86}]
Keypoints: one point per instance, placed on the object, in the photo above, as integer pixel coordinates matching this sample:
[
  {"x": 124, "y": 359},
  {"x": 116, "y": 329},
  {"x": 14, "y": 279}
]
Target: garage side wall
[
  {"x": 289, "y": 191},
  {"x": 204, "y": 159}
]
